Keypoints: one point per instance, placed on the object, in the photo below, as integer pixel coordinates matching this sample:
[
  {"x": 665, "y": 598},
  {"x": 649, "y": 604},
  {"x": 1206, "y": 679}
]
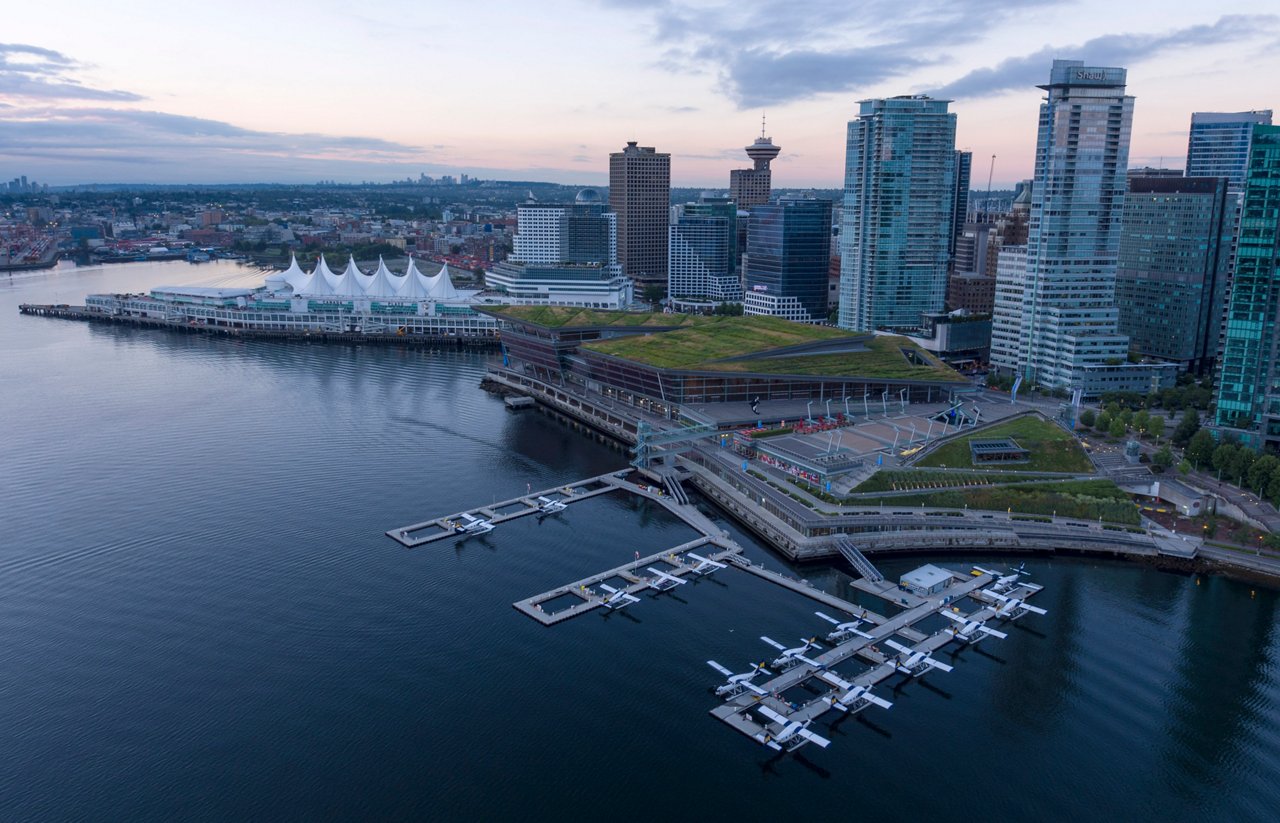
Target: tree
[
  {"x": 1117, "y": 428},
  {"x": 1260, "y": 472},
  {"x": 1126, "y": 417},
  {"x": 1184, "y": 467},
  {"x": 1142, "y": 421},
  {"x": 1088, "y": 418},
  {"x": 1273, "y": 489},
  {"x": 1163, "y": 458},
  {"x": 1187, "y": 427},
  {"x": 1104, "y": 422},
  {"x": 1240, "y": 464},
  {"x": 1200, "y": 449},
  {"x": 1222, "y": 456},
  {"x": 1155, "y": 425}
]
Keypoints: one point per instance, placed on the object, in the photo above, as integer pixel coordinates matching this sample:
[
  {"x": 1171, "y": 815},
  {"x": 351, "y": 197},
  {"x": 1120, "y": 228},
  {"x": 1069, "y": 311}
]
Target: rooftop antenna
[
  {"x": 990, "y": 174},
  {"x": 762, "y": 125}
]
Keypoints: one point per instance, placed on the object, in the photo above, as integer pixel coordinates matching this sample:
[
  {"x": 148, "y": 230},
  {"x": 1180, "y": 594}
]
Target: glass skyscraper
[
  {"x": 788, "y": 256},
  {"x": 899, "y": 199},
  {"x": 1175, "y": 244},
  {"x": 1218, "y": 145},
  {"x": 1066, "y": 325},
  {"x": 702, "y": 255},
  {"x": 1248, "y": 377}
]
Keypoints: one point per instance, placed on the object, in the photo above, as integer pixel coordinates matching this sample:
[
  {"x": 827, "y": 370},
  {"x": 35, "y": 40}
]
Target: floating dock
[
  {"x": 440, "y": 528},
  {"x": 737, "y": 710}
]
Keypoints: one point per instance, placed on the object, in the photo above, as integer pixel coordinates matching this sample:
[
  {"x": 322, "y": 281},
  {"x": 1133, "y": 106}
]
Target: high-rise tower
[
  {"x": 1065, "y": 327},
  {"x": 751, "y": 187},
  {"x": 1218, "y": 145},
  {"x": 899, "y": 196},
  {"x": 640, "y": 195}
]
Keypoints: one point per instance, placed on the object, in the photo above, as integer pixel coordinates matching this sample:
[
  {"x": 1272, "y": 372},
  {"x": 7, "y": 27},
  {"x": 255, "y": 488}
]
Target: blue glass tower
[
  {"x": 899, "y": 201},
  {"x": 788, "y": 256}
]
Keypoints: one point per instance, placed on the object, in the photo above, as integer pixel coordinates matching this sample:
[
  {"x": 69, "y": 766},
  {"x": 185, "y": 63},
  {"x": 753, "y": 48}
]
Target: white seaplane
[
  {"x": 548, "y": 506},
  {"x": 617, "y": 598},
  {"x": 791, "y": 734},
  {"x": 736, "y": 683},
  {"x": 912, "y": 662},
  {"x": 664, "y": 582},
  {"x": 843, "y": 631},
  {"x": 1003, "y": 582},
  {"x": 847, "y": 697},
  {"x": 970, "y": 631},
  {"x": 705, "y": 564},
  {"x": 794, "y": 657},
  {"x": 1013, "y": 607},
  {"x": 472, "y": 525}
]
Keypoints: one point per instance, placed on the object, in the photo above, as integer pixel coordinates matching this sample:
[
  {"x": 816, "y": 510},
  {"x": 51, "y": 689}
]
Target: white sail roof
[
  {"x": 442, "y": 287},
  {"x": 414, "y": 285},
  {"x": 352, "y": 282},
  {"x": 293, "y": 278},
  {"x": 321, "y": 281},
  {"x": 384, "y": 282}
]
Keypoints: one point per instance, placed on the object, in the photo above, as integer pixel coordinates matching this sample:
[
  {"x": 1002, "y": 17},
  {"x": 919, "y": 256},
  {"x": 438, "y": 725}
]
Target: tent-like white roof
[
  {"x": 384, "y": 283},
  {"x": 321, "y": 282},
  {"x": 415, "y": 286},
  {"x": 293, "y": 277},
  {"x": 442, "y": 287},
  {"x": 352, "y": 282}
]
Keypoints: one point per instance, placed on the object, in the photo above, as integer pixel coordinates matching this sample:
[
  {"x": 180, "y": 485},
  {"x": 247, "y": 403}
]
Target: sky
[{"x": 164, "y": 92}]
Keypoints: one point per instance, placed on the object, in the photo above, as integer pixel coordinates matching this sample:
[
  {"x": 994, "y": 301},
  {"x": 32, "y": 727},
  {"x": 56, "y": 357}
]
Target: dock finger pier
[{"x": 853, "y": 649}]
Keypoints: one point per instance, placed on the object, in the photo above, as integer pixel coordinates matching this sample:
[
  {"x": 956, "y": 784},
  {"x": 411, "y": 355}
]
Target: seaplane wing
[
  {"x": 876, "y": 701},
  {"x": 1032, "y": 609},
  {"x": 833, "y": 679},
  {"x": 705, "y": 565},
  {"x": 992, "y": 632},
  {"x": 772, "y": 715},
  {"x": 981, "y": 570},
  {"x": 935, "y": 664},
  {"x": 773, "y": 643},
  {"x": 469, "y": 518},
  {"x": 668, "y": 578},
  {"x": 953, "y": 617},
  {"x": 713, "y": 664},
  {"x": 897, "y": 647},
  {"x": 812, "y": 738},
  {"x": 829, "y": 618}
]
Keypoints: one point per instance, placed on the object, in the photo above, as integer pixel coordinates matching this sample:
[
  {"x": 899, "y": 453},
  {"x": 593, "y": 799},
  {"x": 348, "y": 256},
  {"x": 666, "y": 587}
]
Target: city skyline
[{"x": 510, "y": 91}]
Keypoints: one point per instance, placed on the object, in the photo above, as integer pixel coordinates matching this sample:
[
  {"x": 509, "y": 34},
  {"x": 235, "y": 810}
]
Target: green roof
[
  {"x": 714, "y": 346},
  {"x": 557, "y": 317}
]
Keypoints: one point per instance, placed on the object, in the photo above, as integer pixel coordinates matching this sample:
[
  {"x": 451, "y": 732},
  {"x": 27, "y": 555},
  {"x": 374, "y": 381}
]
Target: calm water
[{"x": 201, "y": 619}]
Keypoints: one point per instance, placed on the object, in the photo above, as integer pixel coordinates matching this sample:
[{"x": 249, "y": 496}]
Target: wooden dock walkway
[
  {"x": 635, "y": 573},
  {"x": 736, "y": 711},
  {"x": 441, "y": 528}
]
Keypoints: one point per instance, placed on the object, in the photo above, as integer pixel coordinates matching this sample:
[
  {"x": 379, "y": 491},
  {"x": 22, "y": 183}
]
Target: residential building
[
  {"x": 640, "y": 195},
  {"x": 899, "y": 200},
  {"x": 1175, "y": 243},
  {"x": 702, "y": 255},
  {"x": 1064, "y": 334},
  {"x": 788, "y": 256},
  {"x": 1248, "y": 391},
  {"x": 960, "y": 208}
]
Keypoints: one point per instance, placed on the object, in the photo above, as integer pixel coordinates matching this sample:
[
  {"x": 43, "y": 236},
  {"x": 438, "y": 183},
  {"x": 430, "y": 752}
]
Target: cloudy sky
[{"x": 250, "y": 91}]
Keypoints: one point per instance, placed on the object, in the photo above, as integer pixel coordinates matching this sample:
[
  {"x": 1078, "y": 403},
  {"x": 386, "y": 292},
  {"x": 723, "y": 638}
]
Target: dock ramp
[{"x": 858, "y": 560}]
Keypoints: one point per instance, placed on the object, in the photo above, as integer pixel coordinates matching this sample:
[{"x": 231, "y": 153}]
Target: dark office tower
[
  {"x": 1175, "y": 242},
  {"x": 640, "y": 195},
  {"x": 788, "y": 255},
  {"x": 899, "y": 194},
  {"x": 1218, "y": 145},
  {"x": 960, "y": 211},
  {"x": 1248, "y": 378},
  {"x": 751, "y": 187}
]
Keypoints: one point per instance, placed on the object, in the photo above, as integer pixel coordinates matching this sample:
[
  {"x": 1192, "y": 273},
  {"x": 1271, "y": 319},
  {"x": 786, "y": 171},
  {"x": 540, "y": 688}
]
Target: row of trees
[{"x": 1116, "y": 422}]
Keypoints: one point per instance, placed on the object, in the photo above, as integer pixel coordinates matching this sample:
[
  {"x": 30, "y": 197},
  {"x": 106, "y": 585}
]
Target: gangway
[
  {"x": 676, "y": 490},
  {"x": 858, "y": 560},
  {"x": 649, "y": 441}
]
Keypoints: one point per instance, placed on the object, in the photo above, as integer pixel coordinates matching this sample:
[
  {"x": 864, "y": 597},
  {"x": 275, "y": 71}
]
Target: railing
[{"x": 858, "y": 560}]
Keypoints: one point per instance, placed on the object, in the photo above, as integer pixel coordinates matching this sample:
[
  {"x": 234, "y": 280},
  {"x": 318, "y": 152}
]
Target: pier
[{"x": 852, "y": 692}]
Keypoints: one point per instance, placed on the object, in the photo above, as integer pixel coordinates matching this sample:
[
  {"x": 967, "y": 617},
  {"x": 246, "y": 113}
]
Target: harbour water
[{"x": 200, "y": 618}]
